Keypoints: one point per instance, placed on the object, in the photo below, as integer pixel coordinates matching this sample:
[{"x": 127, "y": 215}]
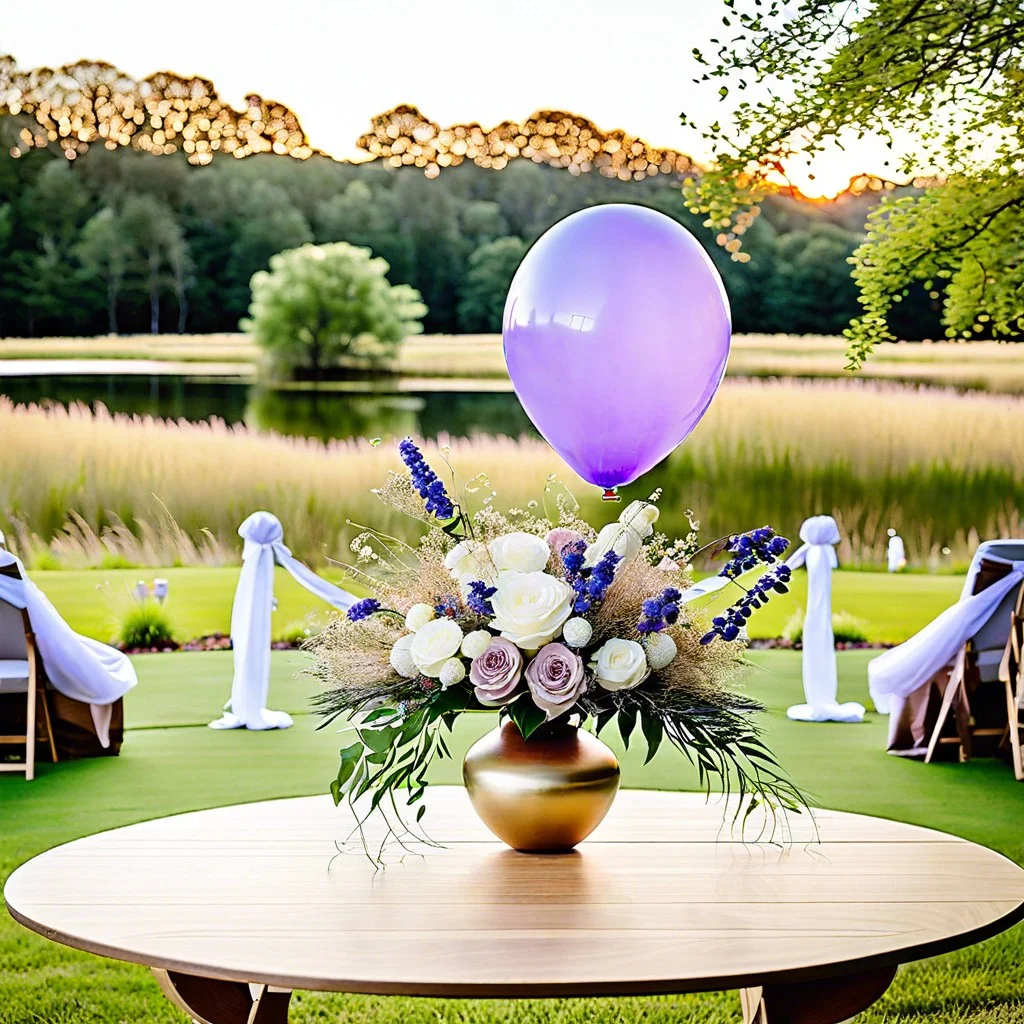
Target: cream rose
[
  {"x": 470, "y": 560},
  {"x": 530, "y": 607},
  {"x": 619, "y": 664},
  {"x": 418, "y": 616},
  {"x": 433, "y": 644},
  {"x": 520, "y": 551}
]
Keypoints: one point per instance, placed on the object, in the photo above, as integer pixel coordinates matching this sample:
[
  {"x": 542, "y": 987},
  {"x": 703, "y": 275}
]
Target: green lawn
[
  {"x": 892, "y": 606},
  {"x": 172, "y": 763}
]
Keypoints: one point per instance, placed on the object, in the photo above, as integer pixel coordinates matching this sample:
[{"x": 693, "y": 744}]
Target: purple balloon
[{"x": 616, "y": 335}]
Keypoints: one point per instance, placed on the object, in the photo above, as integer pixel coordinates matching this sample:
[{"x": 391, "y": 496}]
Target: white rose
[
  {"x": 433, "y": 644},
  {"x": 619, "y": 664},
  {"x": 640, "y": 516},
  {"x": 520, "y": 551},
  {"x": 418, "y": 616},
  {"x": 469, "y": 560},
  {"x": 401, "y": 657},
  {"x": 476, "y": 643},
  {"x": 623, "y": 540},
  {"x": 530, "y": 607}
]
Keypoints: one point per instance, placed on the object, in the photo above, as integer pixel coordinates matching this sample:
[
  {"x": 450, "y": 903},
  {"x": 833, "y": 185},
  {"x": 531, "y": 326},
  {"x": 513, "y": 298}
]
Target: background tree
[
  {"x": 154, "y": 234},
  {"x": 322, "y": 302},
  {"x": 948, "y": 76},
  {"x": 104, "y": 252},
  {"x": 491, "y": 269}
]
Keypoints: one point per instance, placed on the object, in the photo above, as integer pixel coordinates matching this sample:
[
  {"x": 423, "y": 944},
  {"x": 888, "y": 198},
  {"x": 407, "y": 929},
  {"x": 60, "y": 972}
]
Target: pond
[{"x": 325, "y": 413}]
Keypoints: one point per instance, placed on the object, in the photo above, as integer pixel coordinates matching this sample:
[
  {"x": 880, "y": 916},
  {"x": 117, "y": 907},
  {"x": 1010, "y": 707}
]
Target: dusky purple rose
[
  {"x": 495, "y": 674},
  {"x": 556, "y": 680}
]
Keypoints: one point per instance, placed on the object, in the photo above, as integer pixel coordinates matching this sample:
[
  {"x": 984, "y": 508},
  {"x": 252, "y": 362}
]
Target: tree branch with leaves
[{"x": 940, "y": 81}]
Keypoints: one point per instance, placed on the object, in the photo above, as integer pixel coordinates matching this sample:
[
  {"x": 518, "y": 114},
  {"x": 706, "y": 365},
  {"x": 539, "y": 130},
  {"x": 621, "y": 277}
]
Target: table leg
[
  {"x": 826, "y": 1001},
  {"x": 208, "y": 1001}
]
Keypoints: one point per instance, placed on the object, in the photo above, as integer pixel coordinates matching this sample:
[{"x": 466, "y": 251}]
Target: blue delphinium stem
[
  {"x": 733, "y": 619},
  {"x": 479, "y": 598},
  {"x": 426, "y": 481},
  {"x": 751, "y": 549},
  {"x": 363, "y": 609},
  {"x": 660, "y": 612},
  {"x": 589, "y": 582}
]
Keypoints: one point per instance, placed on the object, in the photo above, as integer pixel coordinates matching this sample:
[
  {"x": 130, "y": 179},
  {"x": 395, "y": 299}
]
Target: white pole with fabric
[
  {"x": 821, "y": 681},
  {"x": 250, "y": 621}
]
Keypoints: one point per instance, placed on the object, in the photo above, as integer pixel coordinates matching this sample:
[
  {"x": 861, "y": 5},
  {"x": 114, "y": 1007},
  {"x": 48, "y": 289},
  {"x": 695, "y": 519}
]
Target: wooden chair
[
  {"x": 20, "y": 672},
  {"x": 1011, "y": 675},
  {"x": 973, "y": 711}
]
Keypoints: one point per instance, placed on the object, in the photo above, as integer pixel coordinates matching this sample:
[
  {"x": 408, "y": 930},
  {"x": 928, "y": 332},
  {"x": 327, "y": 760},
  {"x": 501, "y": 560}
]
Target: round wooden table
[{"x": 233, "y": 908}]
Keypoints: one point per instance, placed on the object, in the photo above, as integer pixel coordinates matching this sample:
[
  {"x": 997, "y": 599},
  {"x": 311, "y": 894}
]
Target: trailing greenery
[{"x": 941, "y": 84}]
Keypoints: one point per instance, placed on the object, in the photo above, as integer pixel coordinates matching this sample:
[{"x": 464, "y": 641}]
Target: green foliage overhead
[
  {"x": 321, "y": 302},
  {"x": 940, "y": 82}
]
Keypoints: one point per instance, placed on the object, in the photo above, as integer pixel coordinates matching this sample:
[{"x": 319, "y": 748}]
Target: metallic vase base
[{"x": 541, "y": 795}]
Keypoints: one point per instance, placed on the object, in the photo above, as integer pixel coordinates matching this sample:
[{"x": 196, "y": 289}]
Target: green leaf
[
  {"x": 603, "y": 717},
  {"x": 527, "y": 716},
  {"x": 653, "y": 732},
  {"x": 627, "y": 722}
]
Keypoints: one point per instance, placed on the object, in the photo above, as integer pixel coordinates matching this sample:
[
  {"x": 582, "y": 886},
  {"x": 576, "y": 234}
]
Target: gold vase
[{"x": 545, "y": 794}]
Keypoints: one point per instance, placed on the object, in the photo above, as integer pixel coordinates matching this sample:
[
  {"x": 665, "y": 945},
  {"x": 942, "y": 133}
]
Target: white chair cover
[
  {"x": 78, "y": 666},
  {"x": 821, "y": 683},
  {"x": 893, "y": 676},
  {"x": 250, "y": 621}
]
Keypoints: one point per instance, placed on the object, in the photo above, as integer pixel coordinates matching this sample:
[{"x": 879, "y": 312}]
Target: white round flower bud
[
  {"x": 577, "y": 632},
  {"x": 418, "y": 616},
  {"x": 661, "y": 650},
  {"x": 401, "y": 657},
  {"x": 475, "y": 643},
  {"x": 452, "y": 672}
]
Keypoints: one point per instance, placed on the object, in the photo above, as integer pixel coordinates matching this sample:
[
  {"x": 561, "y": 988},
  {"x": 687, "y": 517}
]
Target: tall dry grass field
[{"x": 943, "y": 467}]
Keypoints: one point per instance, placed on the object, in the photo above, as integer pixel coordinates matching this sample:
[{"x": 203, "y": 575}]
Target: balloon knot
[{"x": 610, "y": 494}]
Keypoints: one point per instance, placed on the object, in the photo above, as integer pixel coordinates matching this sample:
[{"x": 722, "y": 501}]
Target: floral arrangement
[{"x": 537, "y": 616}]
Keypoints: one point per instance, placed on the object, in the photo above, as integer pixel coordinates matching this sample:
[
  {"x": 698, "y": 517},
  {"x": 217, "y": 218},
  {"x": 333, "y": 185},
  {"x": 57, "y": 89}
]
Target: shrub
[
  {"x": 846, "y": 628},
  {"x": 144, "y": 624},
  {"x": 321, "y": 302}
]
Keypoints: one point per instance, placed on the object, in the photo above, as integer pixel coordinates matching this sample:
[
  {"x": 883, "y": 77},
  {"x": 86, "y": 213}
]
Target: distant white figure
[
  {"x": 896, "y": 552},
  {"x": 250, "y": 621},
  {"x": 141, "y": 591},
  {"x": 161, "y": 587},
  {"x": 821, "y": 683}
]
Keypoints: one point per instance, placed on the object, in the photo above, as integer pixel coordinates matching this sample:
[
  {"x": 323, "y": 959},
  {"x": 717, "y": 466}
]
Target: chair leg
[
  {"x": 952, "y": 687},
  {"x": 30, "y": 723},
  {"x": 51, "y": 740},
  {"x": 1013, "y": 728}
]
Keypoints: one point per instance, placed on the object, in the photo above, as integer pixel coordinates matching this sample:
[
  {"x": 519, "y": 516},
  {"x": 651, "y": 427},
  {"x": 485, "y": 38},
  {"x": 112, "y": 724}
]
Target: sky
[{"x": 336, "y": 63}]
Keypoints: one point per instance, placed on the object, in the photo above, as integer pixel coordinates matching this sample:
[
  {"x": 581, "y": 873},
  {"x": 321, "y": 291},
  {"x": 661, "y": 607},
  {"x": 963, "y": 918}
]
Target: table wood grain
[{"x": 660, "y": 899}]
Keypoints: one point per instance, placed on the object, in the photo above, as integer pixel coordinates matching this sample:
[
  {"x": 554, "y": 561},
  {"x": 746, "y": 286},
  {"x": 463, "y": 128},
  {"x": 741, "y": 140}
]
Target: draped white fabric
[
  {"x": 893, "y": 676},
  {"x": 821, "y": 683},
  {"x": 79, "y": 667},
  {"x": 250, "y": 621}
]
